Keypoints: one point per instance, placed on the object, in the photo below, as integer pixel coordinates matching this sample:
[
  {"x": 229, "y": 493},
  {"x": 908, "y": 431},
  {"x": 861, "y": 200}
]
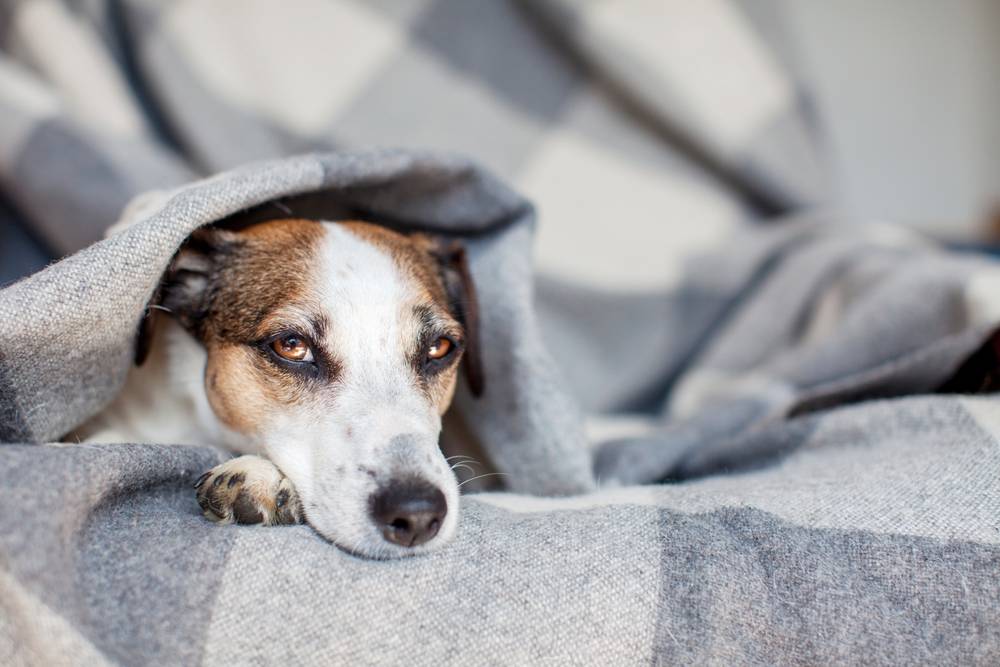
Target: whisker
[
  {"x": 466, "y": 466},
  {"x": 485, "y": 474},
  {"x": 460, "y": 456}
]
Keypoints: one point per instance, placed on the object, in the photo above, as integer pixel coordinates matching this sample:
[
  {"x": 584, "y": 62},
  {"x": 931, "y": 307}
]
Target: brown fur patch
[
  {"x": 241, "y": 394},
  {"x": 262, "y": 269},
  {"x": 258, "y": 272}
]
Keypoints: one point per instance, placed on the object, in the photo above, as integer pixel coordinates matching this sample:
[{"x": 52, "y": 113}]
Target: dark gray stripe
[
  {"x": 114, "y": 541},
  {"x": 20, "y": 253},
  {"x": 740, "y": 586},
  {"x": 90, "y": 190},
  {"x": 507, "y": 54},
  {"x": 13, "y": 425},
  {"x": 154, "y": 552}
]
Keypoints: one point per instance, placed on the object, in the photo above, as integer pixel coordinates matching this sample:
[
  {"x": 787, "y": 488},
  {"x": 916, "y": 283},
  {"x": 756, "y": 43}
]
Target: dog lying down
[{"x": 326, "y": 354}]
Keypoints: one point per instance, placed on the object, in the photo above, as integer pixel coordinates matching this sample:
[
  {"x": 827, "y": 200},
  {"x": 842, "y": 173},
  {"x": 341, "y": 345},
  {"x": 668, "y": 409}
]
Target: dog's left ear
[{"x": 457, "y": 279}]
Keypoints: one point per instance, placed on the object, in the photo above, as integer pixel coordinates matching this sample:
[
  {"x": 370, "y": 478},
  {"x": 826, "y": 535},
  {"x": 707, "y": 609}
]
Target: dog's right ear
[
  {"x": 185, "y": 290},
  {"x": 454, "y": 265}
]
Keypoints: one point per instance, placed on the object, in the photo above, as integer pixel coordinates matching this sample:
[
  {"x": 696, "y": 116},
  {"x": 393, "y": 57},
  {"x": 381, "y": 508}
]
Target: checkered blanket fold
[{"x": 802, "y": 467}]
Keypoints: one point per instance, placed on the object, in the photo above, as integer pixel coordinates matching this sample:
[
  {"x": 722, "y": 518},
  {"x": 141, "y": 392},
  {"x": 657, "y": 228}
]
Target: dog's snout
[{"x": 409, "y": 513}]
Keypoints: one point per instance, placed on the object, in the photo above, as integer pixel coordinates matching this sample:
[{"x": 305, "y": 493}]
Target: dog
[{"x": 325, "y": 354}]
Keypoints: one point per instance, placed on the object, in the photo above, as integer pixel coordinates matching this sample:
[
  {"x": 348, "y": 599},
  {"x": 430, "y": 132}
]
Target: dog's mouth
[{"x": 376, "y": 495}]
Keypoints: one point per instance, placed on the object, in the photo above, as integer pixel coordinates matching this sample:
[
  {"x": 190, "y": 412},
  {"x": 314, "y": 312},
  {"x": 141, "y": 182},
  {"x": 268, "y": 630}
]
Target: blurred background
[{"x": 643, "y": 130}]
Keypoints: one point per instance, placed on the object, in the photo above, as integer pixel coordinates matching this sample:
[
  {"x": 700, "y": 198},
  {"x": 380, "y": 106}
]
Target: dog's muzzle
[{"x": 408, "y": 512}]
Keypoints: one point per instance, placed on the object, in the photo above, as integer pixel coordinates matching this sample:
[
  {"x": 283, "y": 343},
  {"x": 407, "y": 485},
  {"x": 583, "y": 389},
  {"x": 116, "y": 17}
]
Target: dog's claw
[
  {"x": 248, "y": 489},
  {"x": 201, "y": 480}
]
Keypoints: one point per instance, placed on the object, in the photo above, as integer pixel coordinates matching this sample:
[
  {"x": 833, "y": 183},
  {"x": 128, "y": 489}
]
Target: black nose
[{"x": 408, "y": 512}]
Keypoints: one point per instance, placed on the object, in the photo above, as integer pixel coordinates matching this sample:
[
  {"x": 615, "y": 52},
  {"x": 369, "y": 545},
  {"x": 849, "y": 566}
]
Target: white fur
[{"x": 164, "y": 400}]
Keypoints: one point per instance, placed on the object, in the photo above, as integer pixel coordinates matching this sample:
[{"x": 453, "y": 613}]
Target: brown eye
[
  {"x": 292, "y": 348},
  {"x": 439, "y": 349}
]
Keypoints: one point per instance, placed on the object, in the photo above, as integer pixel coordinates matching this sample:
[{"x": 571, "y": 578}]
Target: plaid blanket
[
  {"x": 102, "y": 100},
  {"x": 806, "y": 522},
  {"x": 808, "y": 399}
]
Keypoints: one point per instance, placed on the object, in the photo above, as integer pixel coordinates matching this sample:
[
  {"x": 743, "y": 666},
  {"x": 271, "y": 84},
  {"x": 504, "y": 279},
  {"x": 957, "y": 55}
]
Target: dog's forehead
[
  {"x": 351, "y": 266},
  {"x": 362, "y": 260}
]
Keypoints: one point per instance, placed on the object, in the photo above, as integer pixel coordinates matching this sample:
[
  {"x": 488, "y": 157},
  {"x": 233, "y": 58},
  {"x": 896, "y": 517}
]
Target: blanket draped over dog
[
  {"x": 804, "y": 467},
  {"x": 813, "y": 523}
]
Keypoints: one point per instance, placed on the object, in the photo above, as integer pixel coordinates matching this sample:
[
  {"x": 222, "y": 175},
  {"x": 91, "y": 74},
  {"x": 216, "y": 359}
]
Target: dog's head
[{"x": 334, "y": 349}]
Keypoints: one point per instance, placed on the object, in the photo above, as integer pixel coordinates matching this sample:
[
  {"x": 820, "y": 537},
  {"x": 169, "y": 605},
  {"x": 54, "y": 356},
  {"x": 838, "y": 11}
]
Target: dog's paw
[{"x": 248, "y": 489}]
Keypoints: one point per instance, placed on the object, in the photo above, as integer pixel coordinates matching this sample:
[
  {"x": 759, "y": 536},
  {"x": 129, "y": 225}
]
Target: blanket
[
  {"x": 827, "y": 502},
  {"x": 792, "y": 454}
]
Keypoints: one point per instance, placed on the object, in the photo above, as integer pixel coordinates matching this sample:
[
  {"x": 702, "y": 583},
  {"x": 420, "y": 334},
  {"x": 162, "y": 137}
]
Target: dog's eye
[
  {"x": 440, "y": 348},
  {"x": 292, "y": 348}
]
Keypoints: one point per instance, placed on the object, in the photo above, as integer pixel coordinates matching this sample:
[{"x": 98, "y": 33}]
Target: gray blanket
[
  {"x": 791, "y": 458},
  {"x": 807, "y": 521}
]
